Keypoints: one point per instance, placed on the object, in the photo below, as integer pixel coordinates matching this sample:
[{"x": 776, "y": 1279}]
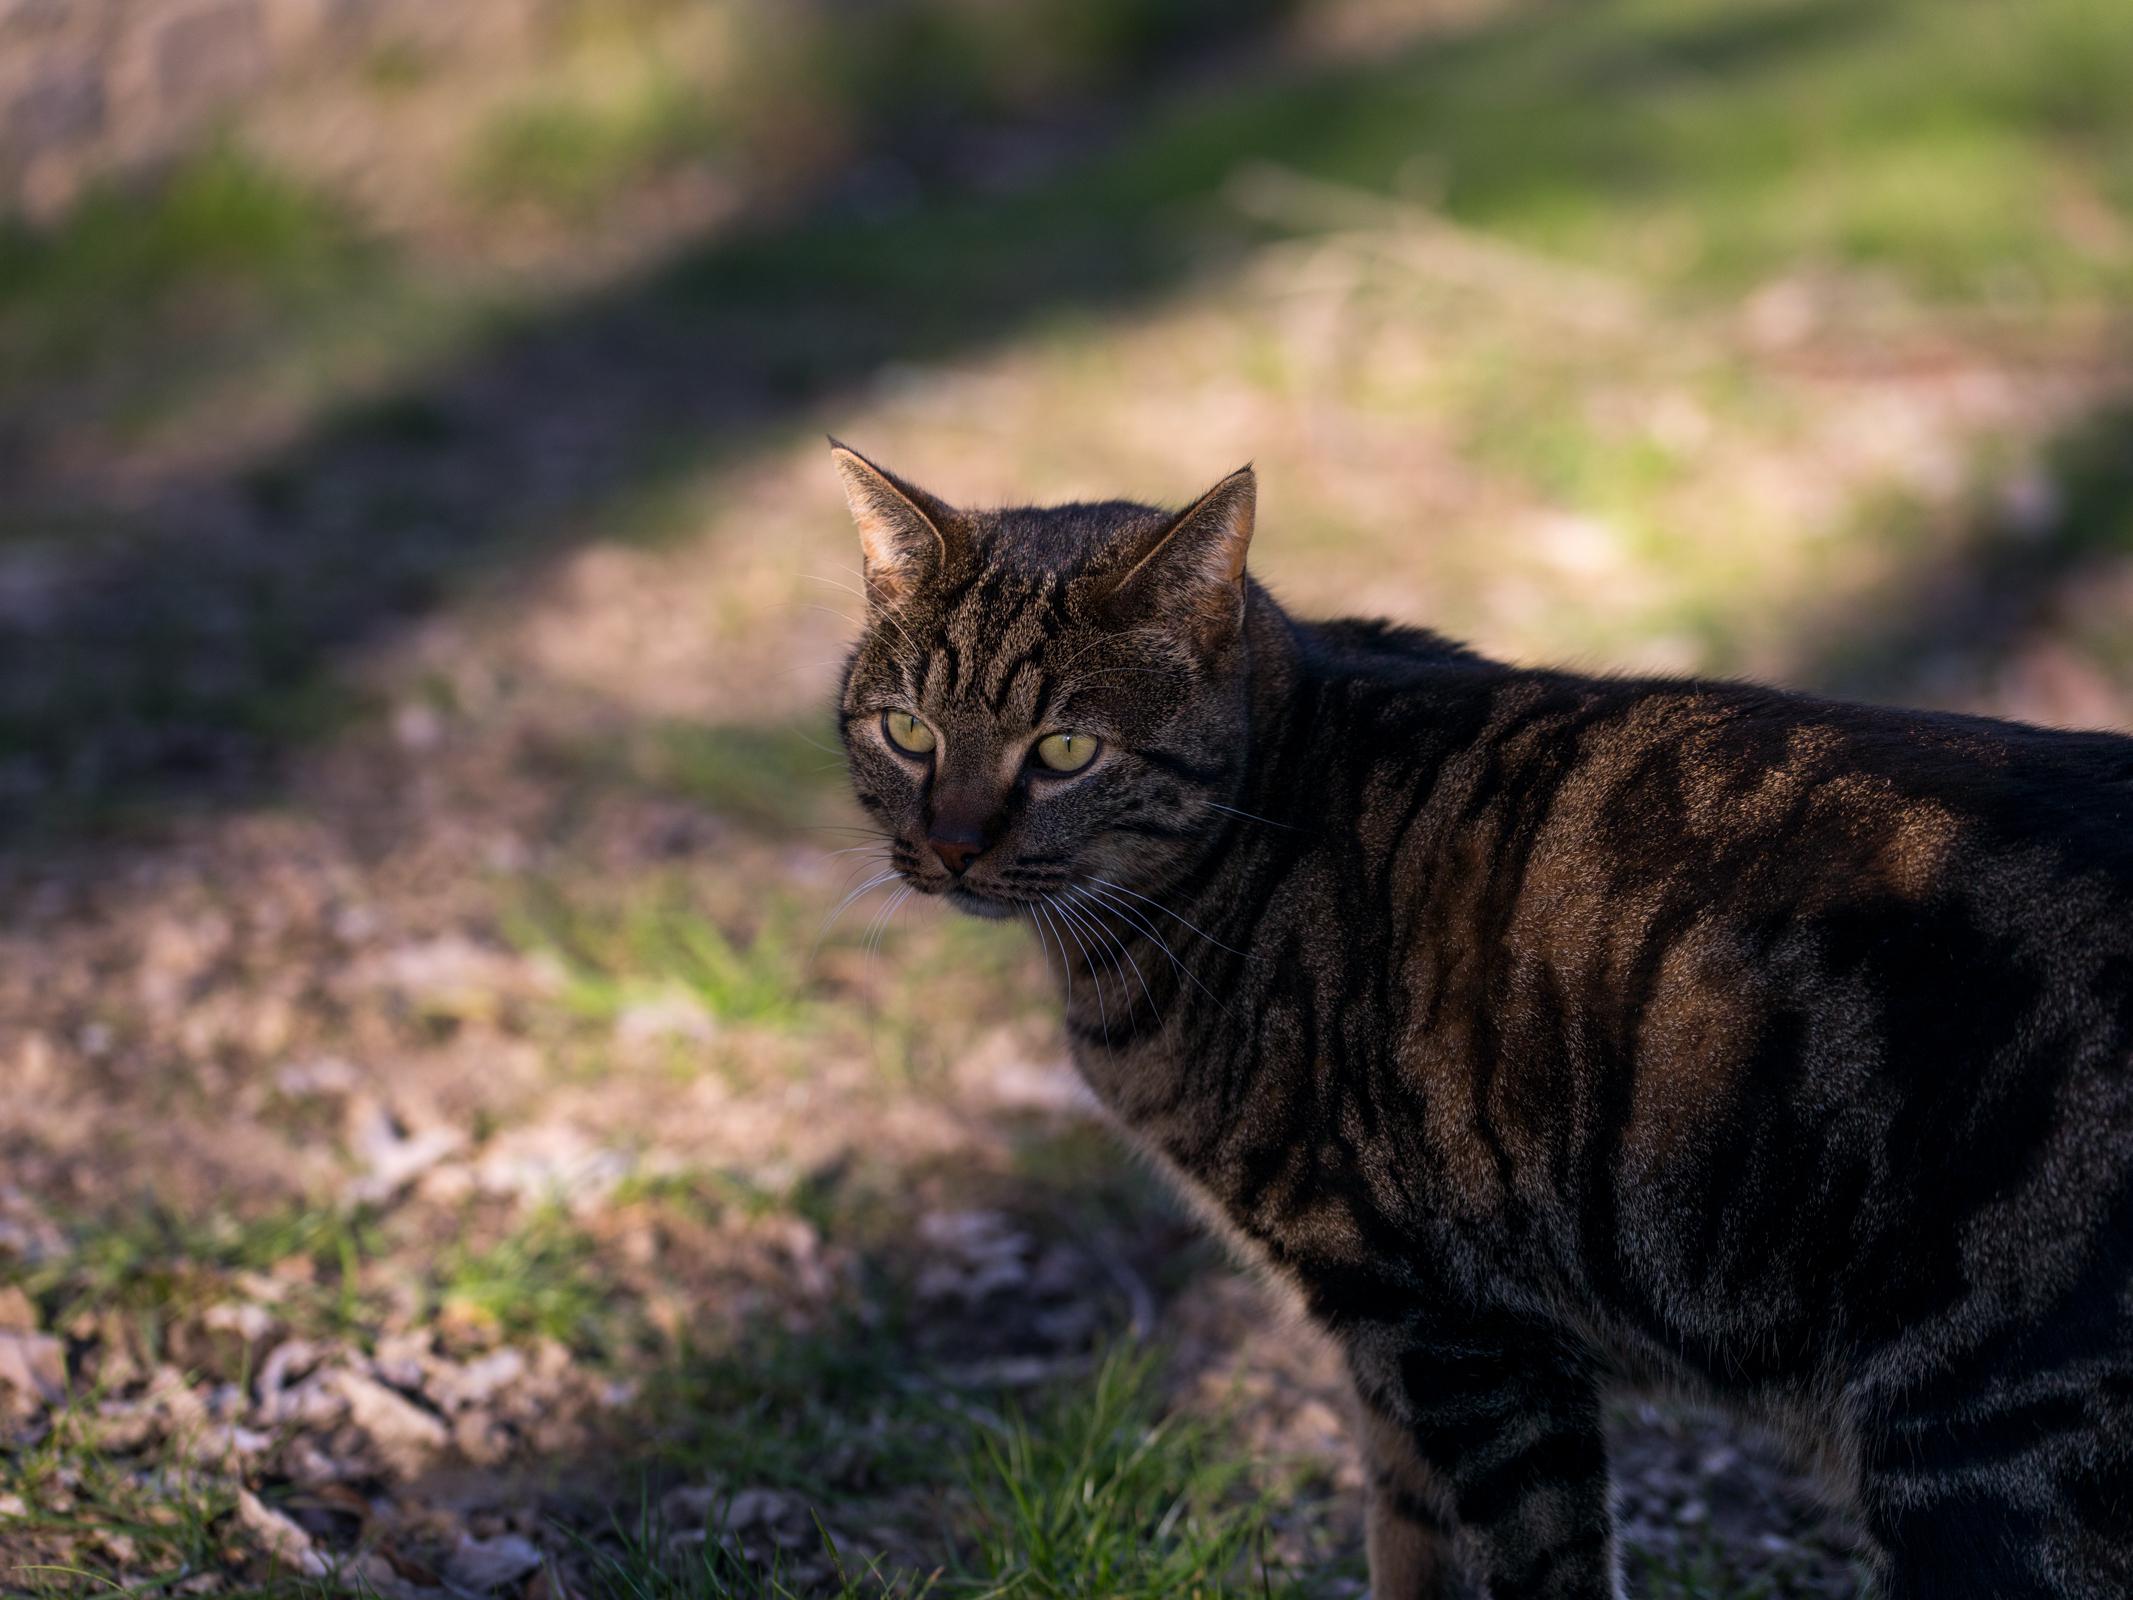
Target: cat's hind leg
[{"x": 2028, "y": 1501}]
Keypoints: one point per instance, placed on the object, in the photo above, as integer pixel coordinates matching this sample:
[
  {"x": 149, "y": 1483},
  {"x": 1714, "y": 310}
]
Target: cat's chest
[{"x": 1273, "y": 1182}]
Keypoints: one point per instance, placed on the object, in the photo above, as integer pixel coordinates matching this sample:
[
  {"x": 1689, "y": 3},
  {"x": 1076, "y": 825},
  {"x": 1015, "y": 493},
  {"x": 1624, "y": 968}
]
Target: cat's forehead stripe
[
  {"x": 935, "y": 685},
  {"x": 1008, "y": 645}
]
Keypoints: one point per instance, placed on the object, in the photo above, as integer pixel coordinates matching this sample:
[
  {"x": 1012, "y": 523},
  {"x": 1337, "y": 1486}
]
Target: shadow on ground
[
  {"x": 2048, "y": 558},
  {"x": 188, "y": 645}
]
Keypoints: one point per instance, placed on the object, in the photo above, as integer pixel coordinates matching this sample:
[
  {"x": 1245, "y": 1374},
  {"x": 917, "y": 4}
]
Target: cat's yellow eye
[
  {"x": 1067, "y": 752},
  {"x": 907, "y": 733}
]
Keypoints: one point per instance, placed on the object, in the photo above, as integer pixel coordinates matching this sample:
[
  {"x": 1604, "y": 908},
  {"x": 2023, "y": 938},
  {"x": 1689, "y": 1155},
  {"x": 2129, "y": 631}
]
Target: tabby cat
[{"x": 1549, "y": 1034}]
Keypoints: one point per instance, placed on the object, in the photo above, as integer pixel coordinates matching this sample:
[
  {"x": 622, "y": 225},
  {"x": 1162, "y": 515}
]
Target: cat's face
[{"x": 1045, "y": 703}]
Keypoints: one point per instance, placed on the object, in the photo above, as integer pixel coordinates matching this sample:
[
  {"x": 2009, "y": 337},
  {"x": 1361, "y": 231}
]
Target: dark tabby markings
[{"x": 1551, "y": 1034}]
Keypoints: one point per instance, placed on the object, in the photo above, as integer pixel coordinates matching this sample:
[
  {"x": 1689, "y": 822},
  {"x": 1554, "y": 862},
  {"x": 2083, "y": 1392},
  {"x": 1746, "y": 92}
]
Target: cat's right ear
[{"x": 903, "y": 531}]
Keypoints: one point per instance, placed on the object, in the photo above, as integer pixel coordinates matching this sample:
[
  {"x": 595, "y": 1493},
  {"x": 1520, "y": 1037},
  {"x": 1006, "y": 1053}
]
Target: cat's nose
[{"x": 955, "y": 849}]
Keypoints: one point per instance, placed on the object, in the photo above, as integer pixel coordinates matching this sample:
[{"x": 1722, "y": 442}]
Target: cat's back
[{"x": 1685, "y": 775}]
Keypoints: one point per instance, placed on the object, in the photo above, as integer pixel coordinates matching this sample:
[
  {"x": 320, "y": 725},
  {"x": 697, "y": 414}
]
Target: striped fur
[{"x": 1550, "y": 1034}]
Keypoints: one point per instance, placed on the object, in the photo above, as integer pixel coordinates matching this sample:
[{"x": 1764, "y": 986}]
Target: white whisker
[
  {"x": 1096, "y": 979},
  {"x": 880, "y": 924},
  {"x": 1122, "y": 889},
  {"x": 1095, "y": 925},
  {"x": 1135, "y": 920},
  {"x": 1252, "y": 816},
  {"x": 1066, "y": 967},
  {"x": 830, "y": 921}
]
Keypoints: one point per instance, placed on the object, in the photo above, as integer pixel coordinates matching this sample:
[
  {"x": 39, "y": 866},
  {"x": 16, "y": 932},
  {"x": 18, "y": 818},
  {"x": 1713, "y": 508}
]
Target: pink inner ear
[
  {"x": 900, "y": 527},
  {"x": 878, "y": 546}
]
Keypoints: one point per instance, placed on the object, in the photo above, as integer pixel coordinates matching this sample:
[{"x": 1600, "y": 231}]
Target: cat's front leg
[
  {"x": 1408, "y": 1523},
  {"x": 1511, "y": 1432}
]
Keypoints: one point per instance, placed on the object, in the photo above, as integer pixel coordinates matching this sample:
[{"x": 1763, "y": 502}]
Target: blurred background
[{"x": 447, "y": 1142}]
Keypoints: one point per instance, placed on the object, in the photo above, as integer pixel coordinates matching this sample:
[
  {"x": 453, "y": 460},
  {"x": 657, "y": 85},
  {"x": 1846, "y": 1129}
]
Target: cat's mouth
[{"x": 980, "y": 904}]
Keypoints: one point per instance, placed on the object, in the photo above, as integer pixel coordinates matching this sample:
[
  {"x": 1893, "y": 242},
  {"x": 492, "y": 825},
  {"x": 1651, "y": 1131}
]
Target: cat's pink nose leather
[{"x": 955, "y": 851}]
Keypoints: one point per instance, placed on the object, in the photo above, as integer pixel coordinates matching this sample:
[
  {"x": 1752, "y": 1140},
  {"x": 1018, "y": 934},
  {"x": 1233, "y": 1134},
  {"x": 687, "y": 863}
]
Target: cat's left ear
[
  {"x": 1193, "y": 571},
  {"x": 903, "y": 531}
]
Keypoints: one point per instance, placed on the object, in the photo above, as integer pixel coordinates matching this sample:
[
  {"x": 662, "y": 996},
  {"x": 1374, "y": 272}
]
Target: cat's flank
[{"x": 1549, "y": 1034}]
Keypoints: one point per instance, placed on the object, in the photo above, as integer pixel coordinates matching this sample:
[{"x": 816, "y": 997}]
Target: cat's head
[{"x": 1045, "y": 698}]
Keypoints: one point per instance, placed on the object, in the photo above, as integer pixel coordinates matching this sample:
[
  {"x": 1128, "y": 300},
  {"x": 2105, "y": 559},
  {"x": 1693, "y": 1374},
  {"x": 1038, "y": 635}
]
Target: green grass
[
  {"x": 154, "y": 1264},
  {"x": 940, "y": 61},
  {"x": 223, "y": 239},
  {"x": 796, "y": 93},
  {"x": 1100, "y": 1495},
  {"x": 1679, "y": 144},
  {"x": 773, "y": 778},
  {"x": 1685, "y": 143},
  {"x": 638, "y": 1564},
  {"x": 542, "y": 1279},
  {"x": 77, "y": 1496},
  {"x": 573, "y": 155},
  {"x": 823, "y": 1412},
  {"x": 655, "y": 944},
  {"x": 1095, "y": 1490},
  {"x": 2001, "y": 573}
]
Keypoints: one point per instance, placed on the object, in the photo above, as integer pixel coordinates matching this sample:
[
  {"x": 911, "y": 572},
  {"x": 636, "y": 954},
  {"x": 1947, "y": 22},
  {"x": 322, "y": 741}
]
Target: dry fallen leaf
[{"x": 276, "y": 1534}]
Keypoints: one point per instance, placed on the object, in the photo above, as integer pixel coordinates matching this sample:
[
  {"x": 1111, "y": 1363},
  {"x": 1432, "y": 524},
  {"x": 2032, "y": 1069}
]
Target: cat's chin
[{"x": 981, "y": 905}]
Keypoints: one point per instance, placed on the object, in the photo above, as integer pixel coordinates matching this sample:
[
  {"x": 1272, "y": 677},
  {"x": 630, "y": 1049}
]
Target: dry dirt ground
[{"x": 452, "y": 1141}]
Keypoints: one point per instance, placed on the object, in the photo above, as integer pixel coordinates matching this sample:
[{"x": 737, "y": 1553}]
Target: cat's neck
[{"x": 1131, "y": 957}]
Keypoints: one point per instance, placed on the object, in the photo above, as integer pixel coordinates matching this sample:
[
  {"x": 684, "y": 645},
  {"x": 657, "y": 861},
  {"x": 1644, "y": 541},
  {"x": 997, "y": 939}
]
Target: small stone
[
  {"x": 249, "y": 1322},
  {"x": 2032, "y": 504},
  {"x": 323, "y": 1075},
  {"x": 785, "y": 1517},
  {"x": 490, "y": 1563},
  {"x": 670, "y": 1015},
  {"x": 35, "y": 1364},
  {"x": 406, "y": 1436},
  {"x": 455, "y": 1387},
  {"x": 417, "y": 726},
  {"x": 551, "y": 1161},
  {"x": 119, "y": 1546},
  {"x": 273, "y": 1532},
  {"x": 393, "y": 1156}
]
